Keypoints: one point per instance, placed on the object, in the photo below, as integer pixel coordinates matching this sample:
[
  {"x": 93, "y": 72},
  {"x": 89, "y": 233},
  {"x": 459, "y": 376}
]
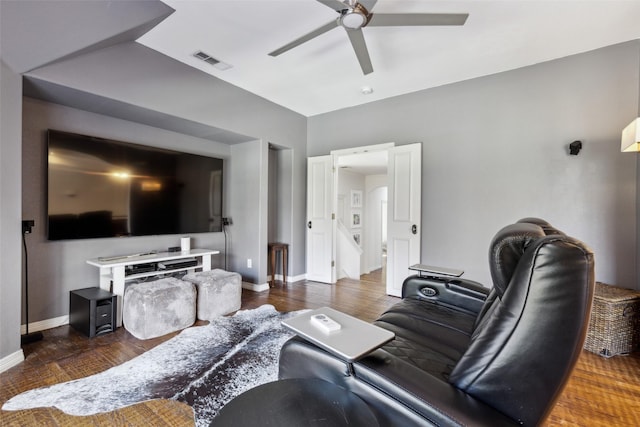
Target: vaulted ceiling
[{"x": 323, "y": 74}]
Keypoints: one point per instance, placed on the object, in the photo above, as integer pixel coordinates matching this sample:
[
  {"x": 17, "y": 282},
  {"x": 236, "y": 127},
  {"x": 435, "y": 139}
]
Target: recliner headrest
[
  {"x": 546, "y": 227},
  {"x": 507, "y": 248}
]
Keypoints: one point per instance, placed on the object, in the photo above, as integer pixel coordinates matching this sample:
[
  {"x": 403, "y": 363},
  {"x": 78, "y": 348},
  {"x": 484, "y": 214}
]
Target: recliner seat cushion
[
  {"x": 428, "y": 336},
  {"x": 437, "y": 361}
]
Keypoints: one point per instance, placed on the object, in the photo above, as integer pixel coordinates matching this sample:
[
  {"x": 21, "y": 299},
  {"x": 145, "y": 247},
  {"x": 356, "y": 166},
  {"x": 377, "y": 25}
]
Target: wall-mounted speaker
[{"x": 575, "y": 147}]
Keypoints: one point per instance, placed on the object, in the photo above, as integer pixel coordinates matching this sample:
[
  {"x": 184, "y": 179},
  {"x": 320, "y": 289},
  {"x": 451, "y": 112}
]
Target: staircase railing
[{"x": 348, "y": 253}]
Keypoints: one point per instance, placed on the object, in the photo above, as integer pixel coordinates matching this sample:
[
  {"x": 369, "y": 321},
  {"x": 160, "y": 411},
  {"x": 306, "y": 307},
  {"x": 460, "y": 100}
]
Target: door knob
[
  {"x": 309, "y": 224},
  {"x": 414, "y": 229}
]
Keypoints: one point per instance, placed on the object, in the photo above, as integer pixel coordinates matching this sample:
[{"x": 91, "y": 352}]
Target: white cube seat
[
  {"x": 219, "y": 292},
  {"x": 153, "y": 309}
]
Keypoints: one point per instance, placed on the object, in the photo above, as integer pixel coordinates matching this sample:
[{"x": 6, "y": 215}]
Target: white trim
[
  {"x": 45, "y": 324},
  {"x": 255, "y": 287},
  {"x": 11, "y": 360},
  {"x": 265, "y": 286},
  {"x": 292, "y": 279},
  {"x": 302, "y": 276},
  {"x": 289, "y": 278},
  {"x": 363, "y": 149}
]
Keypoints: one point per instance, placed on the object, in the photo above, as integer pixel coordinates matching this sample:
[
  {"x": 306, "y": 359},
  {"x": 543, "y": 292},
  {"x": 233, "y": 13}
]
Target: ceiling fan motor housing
[{"x": 355, "y": 18}]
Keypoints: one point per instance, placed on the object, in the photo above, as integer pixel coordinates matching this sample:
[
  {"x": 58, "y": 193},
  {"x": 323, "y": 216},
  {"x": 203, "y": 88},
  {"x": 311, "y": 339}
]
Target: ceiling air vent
[{"x": 211, "y": 60}]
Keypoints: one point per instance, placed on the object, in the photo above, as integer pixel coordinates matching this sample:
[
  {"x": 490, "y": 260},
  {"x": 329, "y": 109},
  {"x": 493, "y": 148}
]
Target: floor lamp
[{"x": 27, "y": 338}]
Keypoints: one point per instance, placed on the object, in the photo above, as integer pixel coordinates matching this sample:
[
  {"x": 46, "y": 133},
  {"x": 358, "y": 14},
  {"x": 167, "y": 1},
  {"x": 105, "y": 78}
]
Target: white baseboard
[
  {"x": 265, "y": 286},
  {"x": 11, "y": 360},
  {"x": 290, "y": 279},
  {"x": 45, "y": 324},
  {"x": 255, "y": 287},
  {"x": 293, "y": 279}
]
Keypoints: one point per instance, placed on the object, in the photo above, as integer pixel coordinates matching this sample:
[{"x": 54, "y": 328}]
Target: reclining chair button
[{"x": 428, "y": 292}]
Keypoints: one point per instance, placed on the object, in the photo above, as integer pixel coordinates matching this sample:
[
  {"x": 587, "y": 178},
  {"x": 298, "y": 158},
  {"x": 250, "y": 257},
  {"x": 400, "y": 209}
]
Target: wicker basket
[{"x": 614, "y": 327}]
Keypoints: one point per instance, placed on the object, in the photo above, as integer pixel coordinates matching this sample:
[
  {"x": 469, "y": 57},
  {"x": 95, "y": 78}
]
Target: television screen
[{"x": 104, "y": 188}]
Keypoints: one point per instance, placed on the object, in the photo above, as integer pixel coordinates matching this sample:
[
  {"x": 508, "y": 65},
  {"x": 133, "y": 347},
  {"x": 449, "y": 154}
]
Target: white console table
[{"x": 113, "y": 269}]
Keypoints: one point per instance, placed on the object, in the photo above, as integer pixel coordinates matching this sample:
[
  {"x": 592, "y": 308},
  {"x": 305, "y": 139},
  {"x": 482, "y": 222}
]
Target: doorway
[
  {"x": 403, "y": 212},
  {"x": 362, "y": 196}
]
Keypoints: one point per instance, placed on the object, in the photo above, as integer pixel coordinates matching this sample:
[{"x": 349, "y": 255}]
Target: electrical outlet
[
  {"x": 27, "y": 225},
  {"x": 249, "y": 263},
  {"x": 227, "y": 220}
]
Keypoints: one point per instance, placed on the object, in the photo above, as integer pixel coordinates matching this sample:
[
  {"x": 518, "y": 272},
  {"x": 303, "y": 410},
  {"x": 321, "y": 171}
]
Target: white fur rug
[{"x": 204, "y": 366}]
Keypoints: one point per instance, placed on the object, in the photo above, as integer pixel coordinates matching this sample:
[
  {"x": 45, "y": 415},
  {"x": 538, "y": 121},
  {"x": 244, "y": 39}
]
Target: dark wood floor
[{"x": 601, "y": 392}]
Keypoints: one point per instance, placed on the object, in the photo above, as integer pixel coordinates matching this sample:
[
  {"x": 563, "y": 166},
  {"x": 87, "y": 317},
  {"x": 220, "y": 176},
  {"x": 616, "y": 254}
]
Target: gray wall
[
  {"x": 280, "y": 200},
  {"x": 638, "y": 199},
  {"x": 10, "y": 201},
  {"x": 272, "y": 226},
  {"x": 495, "y": 150},
  {"x": 248, "y": 206},
  {"x": 38, "y": 32},
  {"x": 150, "y": 80}
]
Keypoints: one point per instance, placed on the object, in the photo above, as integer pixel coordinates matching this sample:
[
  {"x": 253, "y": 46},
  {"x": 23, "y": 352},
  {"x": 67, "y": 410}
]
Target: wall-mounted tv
[{"x": 104, "y": 188}]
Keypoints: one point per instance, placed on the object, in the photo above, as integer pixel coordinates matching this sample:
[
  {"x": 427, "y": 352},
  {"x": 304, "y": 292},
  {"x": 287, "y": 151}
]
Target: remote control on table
[{"x": 325, "y": 323}]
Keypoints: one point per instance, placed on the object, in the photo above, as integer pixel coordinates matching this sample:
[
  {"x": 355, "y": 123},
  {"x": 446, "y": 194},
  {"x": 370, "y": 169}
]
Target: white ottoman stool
[
  {"x": 152, "y": 309},
  {"x": 219, "y": 292}
]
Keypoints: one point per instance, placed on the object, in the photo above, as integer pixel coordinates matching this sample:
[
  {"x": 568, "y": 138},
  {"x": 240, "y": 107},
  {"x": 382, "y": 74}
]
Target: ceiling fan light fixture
[{"x": 353, "y": 20}]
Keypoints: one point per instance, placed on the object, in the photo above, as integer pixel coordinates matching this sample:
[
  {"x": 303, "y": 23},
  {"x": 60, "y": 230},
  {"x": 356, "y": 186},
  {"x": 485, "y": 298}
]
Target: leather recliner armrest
[{"x": 455, "y": 292}]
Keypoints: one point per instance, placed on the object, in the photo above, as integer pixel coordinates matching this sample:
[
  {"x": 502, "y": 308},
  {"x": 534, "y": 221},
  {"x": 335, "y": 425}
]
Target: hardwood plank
[{"x": 600, "y": 392}]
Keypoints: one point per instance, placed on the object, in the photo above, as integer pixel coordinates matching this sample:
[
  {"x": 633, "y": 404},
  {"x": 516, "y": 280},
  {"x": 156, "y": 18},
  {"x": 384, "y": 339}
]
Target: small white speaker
[{"x": 185, "y": 244}]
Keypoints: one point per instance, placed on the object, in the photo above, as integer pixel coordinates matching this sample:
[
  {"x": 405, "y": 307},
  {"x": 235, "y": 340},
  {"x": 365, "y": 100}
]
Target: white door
[
  {"x": 319, "y": 218},
  {"x": 403, "y": 214}
]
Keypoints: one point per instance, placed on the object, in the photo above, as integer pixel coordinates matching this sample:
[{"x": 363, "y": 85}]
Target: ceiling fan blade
[
  {"x": 408, "y": 19},
  {"x": 297, "y": 42},
  {"x": 360, "y": 47},
  {"x": 334, "y": 4}
]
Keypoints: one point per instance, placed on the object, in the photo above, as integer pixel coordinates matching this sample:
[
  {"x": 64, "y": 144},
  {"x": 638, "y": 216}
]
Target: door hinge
[
  {"x": 333, "y": 263},
  {"x": 333, "y": 216}
]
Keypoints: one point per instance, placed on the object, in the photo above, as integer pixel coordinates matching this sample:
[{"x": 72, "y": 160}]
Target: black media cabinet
[{"x": 92, "y": 311}]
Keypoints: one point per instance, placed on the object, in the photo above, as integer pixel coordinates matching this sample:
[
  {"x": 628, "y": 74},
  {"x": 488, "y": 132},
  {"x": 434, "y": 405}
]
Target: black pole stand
[
  {"x": 225, "y": 222},
  {"x": 27, "y": 338}
]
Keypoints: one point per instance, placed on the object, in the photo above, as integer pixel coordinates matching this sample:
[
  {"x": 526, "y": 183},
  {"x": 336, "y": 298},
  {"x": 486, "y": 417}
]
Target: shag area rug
[{"x": 203, "y": 366}]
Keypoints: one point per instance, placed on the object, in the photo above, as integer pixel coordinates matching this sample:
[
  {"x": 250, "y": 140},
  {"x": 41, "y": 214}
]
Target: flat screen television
[{"x": 104, "y": 188}]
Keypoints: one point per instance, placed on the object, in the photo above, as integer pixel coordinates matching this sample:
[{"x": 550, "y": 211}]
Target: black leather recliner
[{"x": 468, "y": 355}]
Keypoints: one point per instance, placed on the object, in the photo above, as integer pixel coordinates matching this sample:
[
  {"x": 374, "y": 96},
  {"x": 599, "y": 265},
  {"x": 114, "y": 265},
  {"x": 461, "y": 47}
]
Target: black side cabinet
[{"x": 92, "y": 311}]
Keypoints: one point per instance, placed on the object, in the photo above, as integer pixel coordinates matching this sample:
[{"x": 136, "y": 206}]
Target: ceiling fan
[{"x": 355, "y": 15}]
